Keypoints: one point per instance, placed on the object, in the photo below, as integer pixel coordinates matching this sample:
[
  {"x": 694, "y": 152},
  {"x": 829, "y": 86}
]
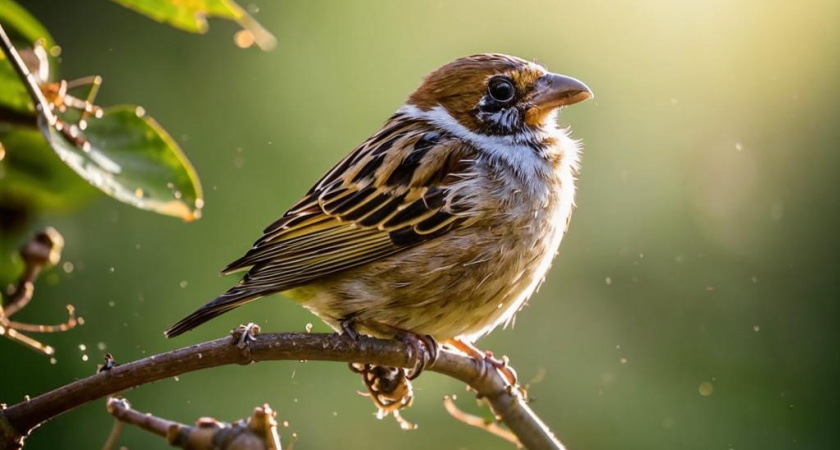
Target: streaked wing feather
[{"x": 389, "y": 194}]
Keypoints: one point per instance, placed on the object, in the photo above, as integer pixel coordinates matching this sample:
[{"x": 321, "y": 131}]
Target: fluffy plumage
[{"x": 442, "y": 223}]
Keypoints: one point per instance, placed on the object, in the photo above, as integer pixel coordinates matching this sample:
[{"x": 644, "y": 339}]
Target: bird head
[{"x": 498, "y": 95}]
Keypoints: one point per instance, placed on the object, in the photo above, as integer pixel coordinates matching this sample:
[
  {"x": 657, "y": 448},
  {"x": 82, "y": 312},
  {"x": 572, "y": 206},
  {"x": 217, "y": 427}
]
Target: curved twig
[
  {"x": 479, "y": 422},
  {"x": 507, "y": 403}
]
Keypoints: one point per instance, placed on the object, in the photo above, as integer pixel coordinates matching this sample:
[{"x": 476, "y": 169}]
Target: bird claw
[
  {"x": 423, "y": 351},
  {"x": 502, "y": 366},
  {"x": 348, "y": 328}
]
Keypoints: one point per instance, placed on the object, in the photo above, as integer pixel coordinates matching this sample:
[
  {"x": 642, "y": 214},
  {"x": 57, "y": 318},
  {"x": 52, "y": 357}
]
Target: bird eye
[{"x": 501, "y": 89}]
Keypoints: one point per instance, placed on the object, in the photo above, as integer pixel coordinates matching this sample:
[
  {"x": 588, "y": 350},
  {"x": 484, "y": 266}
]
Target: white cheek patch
[{"x": 515, "y": 150}]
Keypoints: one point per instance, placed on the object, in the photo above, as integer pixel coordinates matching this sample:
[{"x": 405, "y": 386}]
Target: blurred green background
[{"x": 703, "y": 251}]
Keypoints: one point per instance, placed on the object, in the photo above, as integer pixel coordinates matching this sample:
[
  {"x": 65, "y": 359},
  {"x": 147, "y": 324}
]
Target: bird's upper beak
[{"x": 554, "y": 91}]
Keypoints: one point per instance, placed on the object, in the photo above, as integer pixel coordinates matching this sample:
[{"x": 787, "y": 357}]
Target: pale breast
[{"x": 469, "y": 281}]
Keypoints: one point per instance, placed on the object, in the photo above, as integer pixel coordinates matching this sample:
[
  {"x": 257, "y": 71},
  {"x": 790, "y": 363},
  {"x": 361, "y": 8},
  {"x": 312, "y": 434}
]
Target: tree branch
[
  {"x": 258, "y": 432},
  {"x": 19, "y": 420}
]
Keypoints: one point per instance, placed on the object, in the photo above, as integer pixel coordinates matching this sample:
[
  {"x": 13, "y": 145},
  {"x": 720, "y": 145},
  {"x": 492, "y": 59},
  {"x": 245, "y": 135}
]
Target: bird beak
[{"x": 554, "y": 91}]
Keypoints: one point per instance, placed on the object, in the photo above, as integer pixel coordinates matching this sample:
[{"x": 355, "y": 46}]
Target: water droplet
[
  {"x": 176, "y": 378},
  {"x": 53, "y": 361},
  {"x": 756, "y": 328},
  {"x": 85, "y": 358},
  {"x": 706, "y": 389},
  {"x": 82, "y": 347},
  {"x": 308, "y": 327},
  {"x": 68, "y": 267},
  {"x": 243, "y": 39},
  {"x": 139, "y": 111},
  {"x": 111, "y": 303},
  {"x": 623, "y": 360},
  {"x": 112, "y": 269},
  {"x": 608, "y": 280},
  {"x": 739, "y": 147},
  {"x": 183, "y": 284}
]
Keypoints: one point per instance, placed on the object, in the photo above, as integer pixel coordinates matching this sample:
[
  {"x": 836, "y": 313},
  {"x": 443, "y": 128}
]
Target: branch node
[
  {"x": 258, "y": 432},
  {"x": 243, "y": 336}
]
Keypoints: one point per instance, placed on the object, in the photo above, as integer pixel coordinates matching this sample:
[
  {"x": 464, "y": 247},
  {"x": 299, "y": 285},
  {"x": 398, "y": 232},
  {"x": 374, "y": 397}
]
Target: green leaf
[
  {"x": 13, "y": 95},
  {"x": 22, "y": 26},
  {"x": 33, "y": 179},
  {"x": 192, "y": 16},
  {"x": 23, "y": 29},
  {"x": 130, "y": 157}
]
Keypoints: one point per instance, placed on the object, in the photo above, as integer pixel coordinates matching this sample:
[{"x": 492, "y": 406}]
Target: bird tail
[{"x": 234, "y": 298}]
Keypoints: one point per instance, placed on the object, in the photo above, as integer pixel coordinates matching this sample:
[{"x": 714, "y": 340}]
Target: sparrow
[{"x": 440, "y": 225}]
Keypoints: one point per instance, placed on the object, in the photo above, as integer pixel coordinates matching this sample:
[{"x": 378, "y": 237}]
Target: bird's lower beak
[{"x": 555, "y": 91}]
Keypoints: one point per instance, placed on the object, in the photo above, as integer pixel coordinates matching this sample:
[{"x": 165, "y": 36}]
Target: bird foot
[
  {"x": 423, "y": 351},
  {"x": 502, "y": 366}
]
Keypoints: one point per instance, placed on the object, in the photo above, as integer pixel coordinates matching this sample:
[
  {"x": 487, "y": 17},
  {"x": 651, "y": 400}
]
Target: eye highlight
[{"x": 501, "y": 89}]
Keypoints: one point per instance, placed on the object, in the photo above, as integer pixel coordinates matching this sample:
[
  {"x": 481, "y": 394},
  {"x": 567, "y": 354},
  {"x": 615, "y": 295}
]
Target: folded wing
[{"x": 393, "y": 192}]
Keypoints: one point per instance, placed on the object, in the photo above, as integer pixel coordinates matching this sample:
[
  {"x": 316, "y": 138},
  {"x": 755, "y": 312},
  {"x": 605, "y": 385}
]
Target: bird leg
[
  {"x": 501, "y": 365},
  {"x": 348, "y": 326}
]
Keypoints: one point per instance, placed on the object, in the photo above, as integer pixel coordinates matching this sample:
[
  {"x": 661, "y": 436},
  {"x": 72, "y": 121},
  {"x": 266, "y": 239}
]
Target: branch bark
[{"x": 17, "y": 421}]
